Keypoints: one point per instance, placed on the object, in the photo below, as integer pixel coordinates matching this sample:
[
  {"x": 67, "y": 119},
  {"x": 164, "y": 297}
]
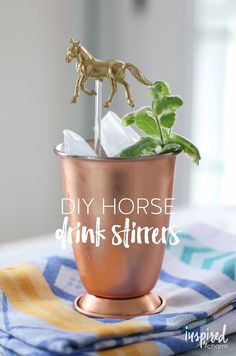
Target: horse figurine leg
[
  {"x": 113, "y": 91},
  {"x": 77, "y": 89},
  {"x": 127, "y": 93},
  {"x": 85, "y": 90}
]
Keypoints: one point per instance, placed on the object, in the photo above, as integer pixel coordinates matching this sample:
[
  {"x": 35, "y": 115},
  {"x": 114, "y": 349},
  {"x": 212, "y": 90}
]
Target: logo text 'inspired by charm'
[{"x": 207, "y": 338}]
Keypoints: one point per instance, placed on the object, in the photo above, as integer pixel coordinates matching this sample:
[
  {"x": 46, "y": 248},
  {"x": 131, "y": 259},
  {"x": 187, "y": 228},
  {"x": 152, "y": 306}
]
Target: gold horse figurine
[{"x": 89, "y": 67}]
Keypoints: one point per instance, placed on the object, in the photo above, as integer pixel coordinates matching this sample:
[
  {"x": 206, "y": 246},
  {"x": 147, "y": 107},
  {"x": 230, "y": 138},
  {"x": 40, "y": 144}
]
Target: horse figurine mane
[{"x": 89, "y": 67}]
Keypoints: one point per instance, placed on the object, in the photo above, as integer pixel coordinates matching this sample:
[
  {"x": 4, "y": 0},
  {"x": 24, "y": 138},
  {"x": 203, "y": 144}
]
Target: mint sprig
[{"x": 157, "y": 124}]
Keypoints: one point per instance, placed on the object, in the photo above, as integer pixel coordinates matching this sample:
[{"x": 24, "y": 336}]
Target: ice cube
[
  {"x": 114, "y": 136},
  {"x": 75, "y": 145}
]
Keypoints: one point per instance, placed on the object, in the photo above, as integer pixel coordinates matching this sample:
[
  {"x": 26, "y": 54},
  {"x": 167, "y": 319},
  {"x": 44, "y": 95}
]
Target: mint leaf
[
  {"x": 168, "y": 120},
  {"x": 166, "y": 105},
  {"x": 145, "y": 146},
  {"x": 165, "y": 134},
  {"x": 147, "y": 124},
  {"x": 128, "y": 119},
  {"x": 171, "y": 147},
  {"x": 160, "y": 89},
  {"x": 189, "y": 148}
]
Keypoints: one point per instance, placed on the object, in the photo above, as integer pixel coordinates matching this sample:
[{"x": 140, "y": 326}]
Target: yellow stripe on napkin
[{"x": 28, "y": 291}]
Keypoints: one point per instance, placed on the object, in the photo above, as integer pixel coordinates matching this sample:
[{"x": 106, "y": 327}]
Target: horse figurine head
[
  {"x": 89, "y": 67},
  {"x": 72, "y": 51}
]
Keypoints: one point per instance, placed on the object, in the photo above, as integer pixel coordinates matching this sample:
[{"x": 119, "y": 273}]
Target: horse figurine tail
[{"x": 137, "y": 74}]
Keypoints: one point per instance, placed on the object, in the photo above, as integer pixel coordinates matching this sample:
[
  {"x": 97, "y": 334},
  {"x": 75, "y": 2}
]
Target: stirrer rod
[{"x": 98, "y": 117}]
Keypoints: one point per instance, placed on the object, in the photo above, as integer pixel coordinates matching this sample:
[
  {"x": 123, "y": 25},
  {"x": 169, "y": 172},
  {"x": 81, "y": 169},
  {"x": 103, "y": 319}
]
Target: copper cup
[{"x": 118, "y": 279}]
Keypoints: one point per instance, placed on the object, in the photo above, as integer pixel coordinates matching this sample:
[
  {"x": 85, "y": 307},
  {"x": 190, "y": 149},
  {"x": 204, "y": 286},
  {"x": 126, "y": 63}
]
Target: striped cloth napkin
[{"x": 197, "y": 280}]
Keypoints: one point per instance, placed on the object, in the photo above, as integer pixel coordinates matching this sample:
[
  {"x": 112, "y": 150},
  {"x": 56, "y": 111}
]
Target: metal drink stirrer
[
  {"x": 98, "y": 118},
  {"x": 88, "y": 67}
]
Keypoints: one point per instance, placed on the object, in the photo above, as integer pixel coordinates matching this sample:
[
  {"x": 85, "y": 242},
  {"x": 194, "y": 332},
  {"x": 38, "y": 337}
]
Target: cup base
[{"x": 91, "y": 305}]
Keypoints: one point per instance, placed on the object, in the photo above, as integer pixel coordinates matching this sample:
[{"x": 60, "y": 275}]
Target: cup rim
[{"x": 58, "y": 151}]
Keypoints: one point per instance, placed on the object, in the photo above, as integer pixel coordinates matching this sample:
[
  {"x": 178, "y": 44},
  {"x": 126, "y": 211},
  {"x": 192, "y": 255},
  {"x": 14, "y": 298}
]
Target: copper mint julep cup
[{"x": 118, "y": 280}]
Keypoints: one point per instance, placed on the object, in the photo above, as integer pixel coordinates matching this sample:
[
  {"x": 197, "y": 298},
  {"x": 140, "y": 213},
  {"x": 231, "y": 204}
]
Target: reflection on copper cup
[{"x": 117, "y": 277}]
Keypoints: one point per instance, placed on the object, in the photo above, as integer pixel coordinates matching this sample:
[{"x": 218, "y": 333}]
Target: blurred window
[{"x": 214, "y": 102}]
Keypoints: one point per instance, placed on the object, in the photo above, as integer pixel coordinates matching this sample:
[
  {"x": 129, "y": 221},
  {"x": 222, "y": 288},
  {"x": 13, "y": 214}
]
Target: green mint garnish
[{"x": 157, "y": 123}]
